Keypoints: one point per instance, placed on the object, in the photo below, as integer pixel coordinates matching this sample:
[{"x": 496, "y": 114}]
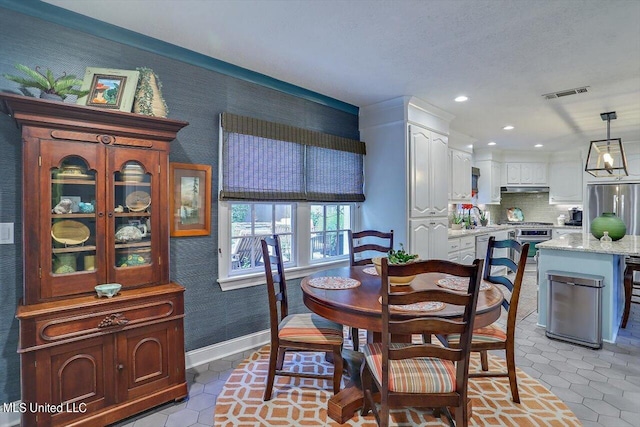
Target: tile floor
[{"x": 602, "y": 387}]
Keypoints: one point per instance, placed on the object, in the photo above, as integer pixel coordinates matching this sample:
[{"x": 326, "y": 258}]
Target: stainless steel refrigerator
[{"x": 622, "y": 199}]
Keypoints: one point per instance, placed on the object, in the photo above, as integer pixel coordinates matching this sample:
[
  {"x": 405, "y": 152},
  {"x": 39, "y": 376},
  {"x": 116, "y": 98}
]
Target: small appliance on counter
[{"x": 575, "y": 217}]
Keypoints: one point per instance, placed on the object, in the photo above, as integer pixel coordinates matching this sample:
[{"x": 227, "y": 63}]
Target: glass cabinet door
[
  {"x": 71, "y": 265},
  {"x": 132, "y": 231}
]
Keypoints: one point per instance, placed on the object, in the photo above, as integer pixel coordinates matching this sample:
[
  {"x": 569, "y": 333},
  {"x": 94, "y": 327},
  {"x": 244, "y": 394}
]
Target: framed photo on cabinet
[
  {"x": 113, "y": 89},
  {"x": 190, "y": 199}
]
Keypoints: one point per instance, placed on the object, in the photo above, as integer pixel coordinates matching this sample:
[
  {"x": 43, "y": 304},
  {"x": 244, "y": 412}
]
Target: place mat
[
  {"x": 459, "y": 283},
  {"x": 370, "y": 270},
  {"x": 418, "y": 307},
  {"x": 333, "y": 283}
]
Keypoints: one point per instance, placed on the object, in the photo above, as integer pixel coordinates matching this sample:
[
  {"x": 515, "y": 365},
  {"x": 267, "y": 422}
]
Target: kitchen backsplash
[{"x": 534, "y": 206}]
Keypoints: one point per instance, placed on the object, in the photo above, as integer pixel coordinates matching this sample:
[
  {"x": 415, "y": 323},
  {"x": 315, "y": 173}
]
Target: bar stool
[{"x": 633, "y": 265}]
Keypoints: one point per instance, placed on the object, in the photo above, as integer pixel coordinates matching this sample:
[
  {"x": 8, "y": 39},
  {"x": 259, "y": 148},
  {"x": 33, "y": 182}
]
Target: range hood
[{"x": 523, "y": 189}]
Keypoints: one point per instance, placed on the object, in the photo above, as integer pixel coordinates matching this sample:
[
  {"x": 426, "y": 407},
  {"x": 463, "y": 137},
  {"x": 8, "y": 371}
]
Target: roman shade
[{"x": 264, "y": 160}]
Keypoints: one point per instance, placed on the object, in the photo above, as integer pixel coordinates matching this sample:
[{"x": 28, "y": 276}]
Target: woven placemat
[
  {"x": 370, "y": 270},
  {"x": 460, "y": 283},
  {"x": 333, "y": 282},
  {"x": 418, "y": 307}
]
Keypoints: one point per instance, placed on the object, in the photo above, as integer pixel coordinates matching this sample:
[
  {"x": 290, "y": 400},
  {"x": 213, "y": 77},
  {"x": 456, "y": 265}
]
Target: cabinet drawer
[
  {"x": 454, "y": 245},
  {"x": 108, "y": 318},
  {"x": 468, "y": 242}
]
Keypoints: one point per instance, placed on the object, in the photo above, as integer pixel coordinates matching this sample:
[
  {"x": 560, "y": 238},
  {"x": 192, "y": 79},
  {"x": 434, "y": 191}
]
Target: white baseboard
[
  {"x": 192, "y": 358},
  {"x": 226, "y": 348}
]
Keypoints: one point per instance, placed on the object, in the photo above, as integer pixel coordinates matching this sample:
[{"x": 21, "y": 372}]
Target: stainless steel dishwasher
[{"x": 574, "y": 311}]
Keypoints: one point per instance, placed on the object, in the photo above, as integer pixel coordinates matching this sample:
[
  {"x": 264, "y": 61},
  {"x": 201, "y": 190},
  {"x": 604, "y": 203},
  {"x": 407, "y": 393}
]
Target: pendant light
[{"x": 606, "y": 156}]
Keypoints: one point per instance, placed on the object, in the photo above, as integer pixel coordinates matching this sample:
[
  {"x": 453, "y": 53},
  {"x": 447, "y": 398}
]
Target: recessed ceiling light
[
  {"x": 491, "y": 143},
  {"x": 470, "y": 146},
  {"x": 538, "y": 145},
  {"x": 508, "y": 127},
  {"x": 461, "y": 98}
]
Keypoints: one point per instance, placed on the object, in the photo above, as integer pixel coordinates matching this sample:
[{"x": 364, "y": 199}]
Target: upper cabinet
[
  {"x": 489, "y": 181},
  {"x": 428, "y": 155},
  {"x": 565, "y": 181},
  {"x": 459, "y": 176},
  {"x": 526, "y": 173},
  {"x": 406, "y": 170},
  {"x": 96, "y": 194}
]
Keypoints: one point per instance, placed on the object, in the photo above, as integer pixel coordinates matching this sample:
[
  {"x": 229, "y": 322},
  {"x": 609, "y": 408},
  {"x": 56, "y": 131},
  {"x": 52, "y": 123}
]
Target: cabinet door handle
[
  {"x": 120, "y": 366},
  {"x": 110, "y": 215},
  {"x": 100, "y": 214}
]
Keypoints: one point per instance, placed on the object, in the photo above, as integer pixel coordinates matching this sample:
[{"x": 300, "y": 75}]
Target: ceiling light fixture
[
  {"x": 538, "y": 145},
  {"x": 461, "y": 98},
  {"x": 508, "y": 127},
  {"x": 606, "y": 156},
  {"x": 491, "y": 143}
]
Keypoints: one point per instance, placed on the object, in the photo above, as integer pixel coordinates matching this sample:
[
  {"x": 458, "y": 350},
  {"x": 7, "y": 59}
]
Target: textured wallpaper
[{"x": 193, "y": 94}]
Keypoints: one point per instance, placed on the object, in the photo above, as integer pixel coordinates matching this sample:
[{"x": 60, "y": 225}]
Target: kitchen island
[{"x": 581, "y": 253}]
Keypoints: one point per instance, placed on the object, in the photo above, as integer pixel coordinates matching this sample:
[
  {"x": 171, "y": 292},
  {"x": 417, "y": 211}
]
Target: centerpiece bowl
[{"x": 394, "y": 280}]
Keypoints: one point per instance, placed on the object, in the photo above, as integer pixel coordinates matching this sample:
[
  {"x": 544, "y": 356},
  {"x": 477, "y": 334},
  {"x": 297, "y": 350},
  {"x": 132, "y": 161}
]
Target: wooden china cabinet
[{"x": 96, "y": 211}]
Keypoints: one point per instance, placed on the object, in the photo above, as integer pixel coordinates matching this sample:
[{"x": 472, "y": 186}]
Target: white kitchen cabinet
[
  {"x": 462, "y": 249},
  {"x": 519, "y": 173},
  {"x": 565, "y": 181},
  {"x": 407, "y": 173},
  {"x": 489, "y": 182},
  {"x": 459, "y": 176},
  {"x": 428, "y": 155},
  {"x": 428, "y": 237}
]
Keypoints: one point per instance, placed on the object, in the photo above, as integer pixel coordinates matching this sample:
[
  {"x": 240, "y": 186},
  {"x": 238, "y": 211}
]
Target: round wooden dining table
[{"x": 360, "y": 307}]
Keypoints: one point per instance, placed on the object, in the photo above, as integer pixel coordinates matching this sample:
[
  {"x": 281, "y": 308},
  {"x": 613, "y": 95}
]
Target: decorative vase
[
  {"x": 149, "y": 100},
  {"x": 484, "y": 222},
  {"x": 608, "y": 222}
]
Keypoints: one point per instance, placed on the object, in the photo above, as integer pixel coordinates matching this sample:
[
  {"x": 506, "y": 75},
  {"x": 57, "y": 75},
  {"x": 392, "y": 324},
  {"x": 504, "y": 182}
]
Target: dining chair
[
  {"x": 367, "y": 241},
  {"x": 295, "y": 332},
  {"x": 494, "y": 336},
  {"x": 631, "y": 288},
  {"x": 423, "y": 374}
]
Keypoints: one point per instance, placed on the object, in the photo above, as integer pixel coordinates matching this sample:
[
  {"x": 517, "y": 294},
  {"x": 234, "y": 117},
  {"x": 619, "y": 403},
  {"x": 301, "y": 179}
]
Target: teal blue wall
[{"x": 195, "y": 92}]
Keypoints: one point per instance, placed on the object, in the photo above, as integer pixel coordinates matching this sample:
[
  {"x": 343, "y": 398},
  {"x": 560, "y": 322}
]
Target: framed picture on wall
[
  {"x": 114, "y": 89},
  {"x": 190, "y": 199}
]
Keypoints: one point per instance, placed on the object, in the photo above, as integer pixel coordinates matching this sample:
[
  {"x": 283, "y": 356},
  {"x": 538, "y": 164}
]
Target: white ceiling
[{"x": 502, "y": 54}]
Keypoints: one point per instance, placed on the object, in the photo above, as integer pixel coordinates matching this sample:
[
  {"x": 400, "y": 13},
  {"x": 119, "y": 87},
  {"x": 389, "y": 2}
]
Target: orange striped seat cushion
[
  {"x": 491, "y": 333},
  {"x": 419, "y": 375},
  {"x": 310, "y": 328}
]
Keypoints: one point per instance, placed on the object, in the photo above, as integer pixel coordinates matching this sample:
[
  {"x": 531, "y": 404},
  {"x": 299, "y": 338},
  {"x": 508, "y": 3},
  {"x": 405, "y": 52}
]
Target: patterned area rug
[{"x": 303, "y": 402}]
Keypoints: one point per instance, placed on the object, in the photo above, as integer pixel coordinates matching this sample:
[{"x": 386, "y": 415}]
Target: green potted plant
[
  {"x": 483, "y": 218},
  {"x": 456, "y": 221},
  {"x": 396, "y": 257},
  {"x": 50, "y": 86}
]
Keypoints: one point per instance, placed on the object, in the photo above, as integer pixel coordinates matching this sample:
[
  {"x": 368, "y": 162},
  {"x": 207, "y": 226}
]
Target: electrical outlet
[{"x": 6, "y": 233}]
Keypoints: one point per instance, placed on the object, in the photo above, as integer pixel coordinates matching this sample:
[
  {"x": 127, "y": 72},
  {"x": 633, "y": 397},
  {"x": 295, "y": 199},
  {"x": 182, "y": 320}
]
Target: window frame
[{"x": 301, "y": 235}]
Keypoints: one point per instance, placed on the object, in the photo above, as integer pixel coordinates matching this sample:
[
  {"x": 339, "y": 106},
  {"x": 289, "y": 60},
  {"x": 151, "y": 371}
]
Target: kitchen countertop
[
  {"x": 585, "y": 242},
  {"x": 493, "y": 228}
]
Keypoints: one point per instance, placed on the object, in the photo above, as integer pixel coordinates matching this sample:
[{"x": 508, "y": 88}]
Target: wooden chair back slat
[{"x": 376, "y": 241}]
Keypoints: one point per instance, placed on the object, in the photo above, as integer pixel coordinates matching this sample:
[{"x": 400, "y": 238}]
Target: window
[
  {"x": 252, "y": 221},
  {"x": 276, "y": 178},
  {"x": 329, "y": 231}
]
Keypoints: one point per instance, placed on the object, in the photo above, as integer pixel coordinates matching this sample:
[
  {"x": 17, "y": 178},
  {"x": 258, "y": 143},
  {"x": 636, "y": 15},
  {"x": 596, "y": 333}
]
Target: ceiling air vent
[{"x": 566, "y": 92}]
